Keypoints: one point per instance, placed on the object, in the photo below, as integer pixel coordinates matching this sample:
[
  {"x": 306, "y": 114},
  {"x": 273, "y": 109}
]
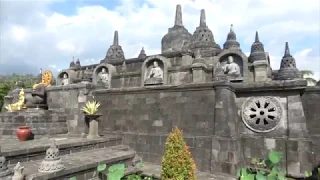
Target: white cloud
[
  {"x": 56, "y": 37},
  {"x": 19, "y": 33}
]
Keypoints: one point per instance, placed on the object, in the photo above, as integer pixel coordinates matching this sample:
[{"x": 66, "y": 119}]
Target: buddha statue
[
  {"x": 65, "y": 79},
  {"x": 19, "y": 105},
  {"x": 103, "y": 77},
  {"x": 231, "y": 68},
  {"x": 155, "y": 76}
]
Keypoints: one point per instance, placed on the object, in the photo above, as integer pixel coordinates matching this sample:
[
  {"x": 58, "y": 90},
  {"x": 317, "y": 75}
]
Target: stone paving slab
[
  {"x": 79, "y": 162},
  {"x": 12, "y": 147},
  {"x": 151, "y": 169}
]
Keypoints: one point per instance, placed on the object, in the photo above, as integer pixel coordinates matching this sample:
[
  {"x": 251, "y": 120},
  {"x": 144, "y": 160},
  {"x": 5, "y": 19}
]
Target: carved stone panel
[{"x": 262, "y": 114}]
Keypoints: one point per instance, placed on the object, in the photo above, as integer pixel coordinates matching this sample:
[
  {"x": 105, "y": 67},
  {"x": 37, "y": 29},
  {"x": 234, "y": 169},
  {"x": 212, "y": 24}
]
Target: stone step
[
  {"x": 16, "y": 151},
  {"x": 81, "y": 165}
]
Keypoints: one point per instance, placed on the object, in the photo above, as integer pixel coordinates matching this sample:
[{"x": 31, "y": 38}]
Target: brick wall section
[{"x": 145, "y": 117}]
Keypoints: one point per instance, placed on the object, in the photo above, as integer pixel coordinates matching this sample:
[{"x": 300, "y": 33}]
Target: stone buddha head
[{"x": 230, "y": 59}]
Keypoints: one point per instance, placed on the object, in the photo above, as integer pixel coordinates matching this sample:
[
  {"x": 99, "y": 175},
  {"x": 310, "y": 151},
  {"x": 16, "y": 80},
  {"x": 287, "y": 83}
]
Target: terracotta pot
[{"x": 23, "y": 133}]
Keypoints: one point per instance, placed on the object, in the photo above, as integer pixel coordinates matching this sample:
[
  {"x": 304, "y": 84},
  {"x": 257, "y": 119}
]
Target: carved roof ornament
[
  {"x": 142, "y": 54},
  {"x": 288, "y": 69},
  {"x": 18, "y": 172},
  {"x": 52, "y": 161},
  {"x": 4, "y": 170},
  {"x": 231, "y": 42},
  {"x": 72, "y": 63},
  {"x": 115, "y": 52},
  {"x": 173, "y": 40},
  {"x": 203, "y": 36},
  {"x": 257, "y": 50}
]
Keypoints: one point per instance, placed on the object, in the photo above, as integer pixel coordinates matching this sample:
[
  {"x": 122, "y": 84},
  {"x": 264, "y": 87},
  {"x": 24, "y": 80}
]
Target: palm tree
[{"x": 306, "y": 75}]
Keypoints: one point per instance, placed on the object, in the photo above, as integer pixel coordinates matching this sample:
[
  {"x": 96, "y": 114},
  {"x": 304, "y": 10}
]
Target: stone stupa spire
[
  {"x": 174, "y": 39},
  {"x": 178, "y": 18},
  {"x": 231, "y": 42},
  {"x": 203, "y": 18},
  {"x": 142, "y": 54},
  {"x": 288, "y": 69},
  {"x": 257, "y": 50},
  {"x": 115, "y": 53}
]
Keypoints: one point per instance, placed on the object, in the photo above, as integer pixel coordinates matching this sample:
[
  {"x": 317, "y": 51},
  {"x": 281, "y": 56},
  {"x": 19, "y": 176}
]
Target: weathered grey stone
[{"x": 52, "y": 161}]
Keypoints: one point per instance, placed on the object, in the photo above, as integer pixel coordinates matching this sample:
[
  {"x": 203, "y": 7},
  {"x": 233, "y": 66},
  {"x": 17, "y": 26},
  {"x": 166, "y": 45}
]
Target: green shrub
[
  {"x": 177, "y": 162},
  {"x": 261, "y": 169}
]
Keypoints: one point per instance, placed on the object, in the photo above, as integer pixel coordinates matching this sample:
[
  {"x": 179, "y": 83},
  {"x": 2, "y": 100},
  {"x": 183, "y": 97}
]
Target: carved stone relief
[{"x": 262, "y": 114}]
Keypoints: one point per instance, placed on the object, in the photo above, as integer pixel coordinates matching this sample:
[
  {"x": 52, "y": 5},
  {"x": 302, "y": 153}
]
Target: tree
[
  {"x": 177, "y": 162},
  {"x": 4, "y": 90},
  {"x": 306, "y": 75}
]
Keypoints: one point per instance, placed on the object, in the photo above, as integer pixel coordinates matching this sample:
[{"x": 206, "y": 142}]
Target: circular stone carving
[{"x": 262, "y": 114}]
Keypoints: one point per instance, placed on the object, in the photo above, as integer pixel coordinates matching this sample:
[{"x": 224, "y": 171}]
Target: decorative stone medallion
[{"x": 262, "y": 114}]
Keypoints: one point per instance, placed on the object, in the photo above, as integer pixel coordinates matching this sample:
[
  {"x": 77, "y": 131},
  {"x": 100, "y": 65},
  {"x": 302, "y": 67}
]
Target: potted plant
[{"x": 91, "y": 113}]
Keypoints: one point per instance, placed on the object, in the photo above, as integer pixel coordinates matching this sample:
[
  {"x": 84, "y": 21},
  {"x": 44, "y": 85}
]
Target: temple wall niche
[
  {"x": 63, "y": 78},
  {"x": 154, "y": 71},
  {"x": 102, "y": 75}
]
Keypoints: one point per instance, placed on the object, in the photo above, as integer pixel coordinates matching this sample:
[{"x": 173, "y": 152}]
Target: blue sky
[{"x": 48, "y": 33}]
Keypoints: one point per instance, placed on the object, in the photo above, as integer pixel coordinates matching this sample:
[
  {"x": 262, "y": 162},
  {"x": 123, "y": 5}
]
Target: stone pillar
[
  {"x": 226, "y": 148},
  {"x": 299, "y": 147},
  {"x": 260, "y": 70},
  {"x": 198, "y": 72}
]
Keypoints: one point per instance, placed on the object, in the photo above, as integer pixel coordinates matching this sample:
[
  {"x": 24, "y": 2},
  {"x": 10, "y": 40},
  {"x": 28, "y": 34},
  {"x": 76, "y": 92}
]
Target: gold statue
[
  {"x": 18, "y": 105},
  {"x": 46, "y": 79}
]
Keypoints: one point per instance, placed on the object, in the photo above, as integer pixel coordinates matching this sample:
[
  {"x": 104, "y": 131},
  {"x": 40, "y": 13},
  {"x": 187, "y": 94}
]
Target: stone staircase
[{"x": 80, "y": 156}]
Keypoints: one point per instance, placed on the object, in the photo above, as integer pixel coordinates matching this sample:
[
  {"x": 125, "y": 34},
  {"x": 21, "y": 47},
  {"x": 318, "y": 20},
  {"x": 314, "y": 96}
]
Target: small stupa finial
[
  {"x": 231, "y": 28},
  {"x": 178, "y": 18},
  {"x": 116, "y": 38},
  {"x": 287, "y": 50},
  {"x": 256, "y": 39},
  {"x": 203, "y": 18}
]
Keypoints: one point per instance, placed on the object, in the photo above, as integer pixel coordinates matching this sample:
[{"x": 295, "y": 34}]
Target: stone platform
[
  {"x": 41, "y": 122},
  {"x": 81, "y": 165},
  {"x": 16, "y": 151}
]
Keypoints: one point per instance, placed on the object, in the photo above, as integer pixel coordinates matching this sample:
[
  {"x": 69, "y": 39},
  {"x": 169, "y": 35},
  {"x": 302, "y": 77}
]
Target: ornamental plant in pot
[
  {"x": 90, "y": 110},
  {"x": 23, "y": 133}
]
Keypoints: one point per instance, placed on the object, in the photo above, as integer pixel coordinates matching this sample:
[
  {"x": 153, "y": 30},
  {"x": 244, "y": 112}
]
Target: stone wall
[
  {"x": 210, "y": 116},
  {"x": 311, "y": 102},
  {"x": 70, "y": 99},
  {"x": 146, "y": 116}
]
